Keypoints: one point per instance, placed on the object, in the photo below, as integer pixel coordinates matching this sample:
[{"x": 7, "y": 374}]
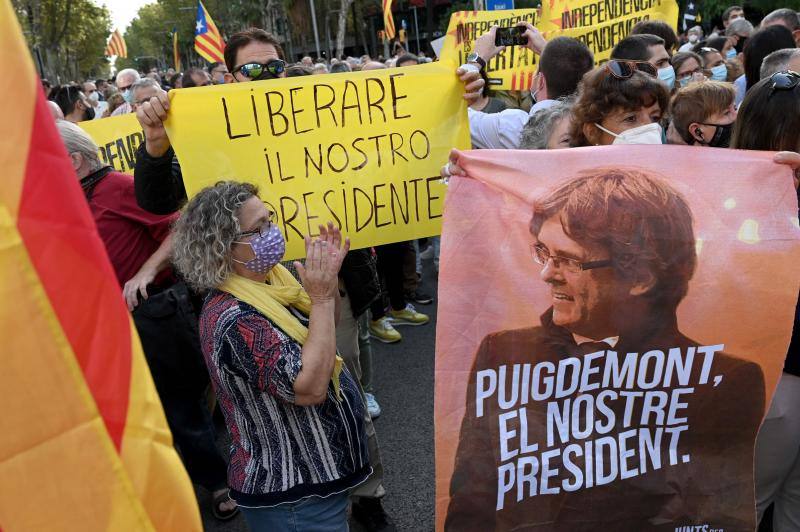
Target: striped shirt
[{"x": 280, "y": 452}]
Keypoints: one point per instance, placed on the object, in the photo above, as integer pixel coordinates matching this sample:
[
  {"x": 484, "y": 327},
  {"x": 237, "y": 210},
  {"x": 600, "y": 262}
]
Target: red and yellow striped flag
[
  {"x": 85, "y": 444},
  {"x": 388, "y": 19},
  {"x": 207, "y": 39},
  {"x": 116, "y": 45}
]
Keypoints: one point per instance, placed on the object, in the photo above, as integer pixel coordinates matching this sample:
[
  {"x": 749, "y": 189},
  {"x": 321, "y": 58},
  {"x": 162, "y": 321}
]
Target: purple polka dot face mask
[{"x": 268, "y": 248}]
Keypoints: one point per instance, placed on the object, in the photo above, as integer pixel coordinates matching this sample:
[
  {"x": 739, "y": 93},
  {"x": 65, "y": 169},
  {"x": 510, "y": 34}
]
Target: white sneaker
[{"x": 373, "y": 407}]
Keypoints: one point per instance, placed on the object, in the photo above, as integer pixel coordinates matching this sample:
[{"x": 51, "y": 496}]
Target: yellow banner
[
  {"x": 117, "y": 138},
  {"x": 362, "y": 149},
  {"x": 511, "y": 69},
  {"x": 601, "y": 24}
]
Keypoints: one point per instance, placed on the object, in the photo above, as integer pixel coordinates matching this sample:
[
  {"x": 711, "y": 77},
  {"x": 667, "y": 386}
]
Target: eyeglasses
[
  {"x": 784, "y": 81},
  {"x": 541, "y": 256},
  {"x": 262, "y": 229},
  {"x": 276, "y": 67},
  {"x": 625, "y": 69}
]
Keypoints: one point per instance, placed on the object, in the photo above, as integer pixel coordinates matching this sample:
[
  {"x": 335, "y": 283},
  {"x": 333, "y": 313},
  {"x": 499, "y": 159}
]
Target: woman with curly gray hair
[{"x": 294, "y": 413}]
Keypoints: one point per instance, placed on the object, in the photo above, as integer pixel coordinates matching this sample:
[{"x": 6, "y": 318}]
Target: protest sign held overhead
[
  {"x": 615, "y": 363},
  {"x": 362, "y": 150},
  {"x": 117, "y": 138},
  {"x": 601, "y": 24},
  {"x": 511, "y": 69}
]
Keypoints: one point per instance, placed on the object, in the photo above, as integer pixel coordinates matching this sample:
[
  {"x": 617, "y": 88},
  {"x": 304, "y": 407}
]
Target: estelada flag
[
  {"x": 388, "y": 19},
  {"x": 85, "y": 444},
  {"x": 207, "y": 39},
  {"x": 116, "y": 45}
]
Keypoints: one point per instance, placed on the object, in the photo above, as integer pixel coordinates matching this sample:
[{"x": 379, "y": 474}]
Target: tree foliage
[{"x": 67, "y": 38}]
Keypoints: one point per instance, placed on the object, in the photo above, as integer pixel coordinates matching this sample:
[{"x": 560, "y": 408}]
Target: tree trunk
[{"x": 344, "y": 9}]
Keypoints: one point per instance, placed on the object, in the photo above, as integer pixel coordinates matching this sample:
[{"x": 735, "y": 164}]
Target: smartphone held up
[{"x": 512, "y": 36}]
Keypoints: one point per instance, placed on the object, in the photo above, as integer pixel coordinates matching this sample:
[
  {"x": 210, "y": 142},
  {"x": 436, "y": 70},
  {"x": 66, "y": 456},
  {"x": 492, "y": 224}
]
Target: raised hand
[
  {"x": 151, "y": 115},
  {"x": 324, "y": 256}
]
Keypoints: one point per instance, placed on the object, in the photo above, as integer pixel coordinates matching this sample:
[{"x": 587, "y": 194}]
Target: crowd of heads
[
  {"x": 736, "y": 86},
  {"x": 245, "y": 54}
]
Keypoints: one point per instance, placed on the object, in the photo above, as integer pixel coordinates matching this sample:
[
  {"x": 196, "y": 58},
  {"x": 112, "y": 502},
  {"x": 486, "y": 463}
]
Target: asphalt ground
[{"x": 403, "y": 382}]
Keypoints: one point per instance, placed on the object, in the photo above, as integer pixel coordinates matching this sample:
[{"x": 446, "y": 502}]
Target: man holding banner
[{"x": 251, "y": 55}]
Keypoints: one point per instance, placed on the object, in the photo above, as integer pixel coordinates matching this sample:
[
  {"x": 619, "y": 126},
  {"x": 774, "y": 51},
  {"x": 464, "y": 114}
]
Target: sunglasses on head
[
  {"x": 707, "y": 50},
  {"x": 784, "y": 81},
  {"x": 275, "y": 68},
  {"x": 625, "y": 69}
]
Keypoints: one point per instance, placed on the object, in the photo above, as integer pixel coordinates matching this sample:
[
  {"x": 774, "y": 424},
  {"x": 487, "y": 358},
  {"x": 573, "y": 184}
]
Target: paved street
[{"x": 403, "y": 380}]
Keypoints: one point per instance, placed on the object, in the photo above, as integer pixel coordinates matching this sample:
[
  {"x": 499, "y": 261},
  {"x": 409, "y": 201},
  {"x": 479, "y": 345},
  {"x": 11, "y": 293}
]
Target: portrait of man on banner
[{"x": 606, "y": 416}]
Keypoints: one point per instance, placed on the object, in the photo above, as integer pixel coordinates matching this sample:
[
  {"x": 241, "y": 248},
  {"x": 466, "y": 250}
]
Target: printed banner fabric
[
  {"x": 601, "y": 24},
  {"x": 618, "y": 383}
]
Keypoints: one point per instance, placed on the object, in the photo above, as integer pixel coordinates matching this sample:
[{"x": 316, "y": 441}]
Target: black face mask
[
  {"x": 722, "y": 135},
  {"x": 88, "y": 114}
]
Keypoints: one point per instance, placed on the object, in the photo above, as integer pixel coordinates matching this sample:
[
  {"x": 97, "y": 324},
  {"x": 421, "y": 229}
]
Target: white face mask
[
  {"x": 693, "y": 38},
  {"x": 94, "y": 97},
  {"x": 646, "y": 134}
]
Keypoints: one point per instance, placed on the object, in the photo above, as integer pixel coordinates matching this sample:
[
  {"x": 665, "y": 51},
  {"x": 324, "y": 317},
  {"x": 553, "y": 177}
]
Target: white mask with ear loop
[
  {"x": 536, "y": 84},
  {"x": 646, "y": 134}
]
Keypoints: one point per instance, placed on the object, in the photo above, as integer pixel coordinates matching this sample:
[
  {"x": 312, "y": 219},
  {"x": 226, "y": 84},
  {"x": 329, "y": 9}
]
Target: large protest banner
[
  {"x": 117, "y": 138},
  {"x": 511, "y": 69},
  {"x": 362, "y": 150},
  {"x": 601, "y": 24},
  {"x": 618, "y": 383}
]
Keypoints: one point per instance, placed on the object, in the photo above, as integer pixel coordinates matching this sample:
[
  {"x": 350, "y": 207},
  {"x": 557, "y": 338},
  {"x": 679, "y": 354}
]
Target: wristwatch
[{"x": 475, "y": 58}]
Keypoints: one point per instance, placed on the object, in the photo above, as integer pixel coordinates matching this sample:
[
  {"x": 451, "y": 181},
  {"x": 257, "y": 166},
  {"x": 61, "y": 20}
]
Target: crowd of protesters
[{"x": 283, "y": 349}]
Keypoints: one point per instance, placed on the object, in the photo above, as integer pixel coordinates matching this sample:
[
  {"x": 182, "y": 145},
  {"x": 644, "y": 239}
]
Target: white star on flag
[{"x": 199, "y": 27}]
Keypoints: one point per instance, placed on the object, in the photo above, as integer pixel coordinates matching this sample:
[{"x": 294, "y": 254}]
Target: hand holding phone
[{"x": 512, "y": 36}]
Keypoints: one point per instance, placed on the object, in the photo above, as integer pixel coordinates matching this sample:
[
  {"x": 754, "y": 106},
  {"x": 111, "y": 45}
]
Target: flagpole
[{"x": 314, "y": 22}]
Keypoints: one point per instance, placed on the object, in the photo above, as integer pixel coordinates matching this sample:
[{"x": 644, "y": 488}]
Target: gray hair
[
  {"x": 540, "y": 126},
  {"x": 777, "y": 61},
  {"x": 205, "y": 231},
  {"x": 129, "y": 72},
  {"x": 143, "y": 83},
  {"x": 739, "y": 26},
  {"x": 76, "y": 140},
  {"x": 789, "y": 16}
]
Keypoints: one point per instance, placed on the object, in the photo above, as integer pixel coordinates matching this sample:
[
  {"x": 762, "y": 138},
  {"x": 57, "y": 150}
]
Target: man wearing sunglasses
[
  {"x": 250, "y": 55},
  {"x": 648, "y": 48},
  {"x": 616, "y": 250}
]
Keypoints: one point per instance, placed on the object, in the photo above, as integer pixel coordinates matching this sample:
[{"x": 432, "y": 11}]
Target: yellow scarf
[{"x": 272, "y": 301}]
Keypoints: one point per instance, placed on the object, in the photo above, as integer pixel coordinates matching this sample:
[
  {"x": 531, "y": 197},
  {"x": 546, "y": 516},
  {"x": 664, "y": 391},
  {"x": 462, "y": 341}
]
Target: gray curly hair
[
  {"x": 205, "y": 231},
  {"x": 537, "y": 131}
]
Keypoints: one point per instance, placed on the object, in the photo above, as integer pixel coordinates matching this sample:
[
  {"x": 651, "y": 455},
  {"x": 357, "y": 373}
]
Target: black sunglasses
[
  {"x": 624, "y": 69},
  {"x": 254, "y": 71},
  {"x": 784, "y": 81}
]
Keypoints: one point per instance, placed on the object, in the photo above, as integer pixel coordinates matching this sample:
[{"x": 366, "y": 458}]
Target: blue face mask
[
  {"x": 667, "y": 75},
  {"x": 731, "y": 53},
  {"x": 128, "y": 95},
  {"x": 719, "y": 73}
]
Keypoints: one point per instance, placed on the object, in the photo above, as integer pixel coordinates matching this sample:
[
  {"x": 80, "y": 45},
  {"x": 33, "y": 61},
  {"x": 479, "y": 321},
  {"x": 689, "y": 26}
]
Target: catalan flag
[
  {"x": 116, "y": 45},
  {"x": 207, "y": 39},
  {"x": 176, "y": 54},
  {"x": 388, "y": 19},
  {"x": 85, "y": 444}
]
